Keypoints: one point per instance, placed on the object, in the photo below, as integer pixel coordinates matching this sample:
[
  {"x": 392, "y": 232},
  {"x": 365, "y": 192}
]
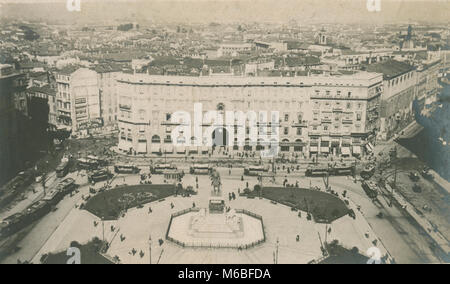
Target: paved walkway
[{"x": 281, "y": 224}]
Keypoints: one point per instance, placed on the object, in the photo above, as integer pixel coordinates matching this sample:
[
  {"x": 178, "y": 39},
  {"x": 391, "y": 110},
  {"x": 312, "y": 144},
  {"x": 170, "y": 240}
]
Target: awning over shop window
[
  {"x": 324, "y": 150},
  {"x": 193, "y": 149},
  {"x": 325, "y": 144},
  {"x": 121, "y": 145},
  {"x": 345, "y": 151},
  {"x": 125, "y": 145},
  {"x": 313, "y": 149},
  {"x": 181, "y": 149},
  {"x": 346, "y": 141},
  {"x": 204, "y": 148},
  {"x": 356, "y": 149},
  {"x": 369, "y": 147},
  {"x": 156, "y": 148},
  {"x": 168, "y": 148},
  {"x": 142, "y": 147}
]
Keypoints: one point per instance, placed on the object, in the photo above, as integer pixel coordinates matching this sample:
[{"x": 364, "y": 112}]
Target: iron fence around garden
[{"x": 215, "y": 245}]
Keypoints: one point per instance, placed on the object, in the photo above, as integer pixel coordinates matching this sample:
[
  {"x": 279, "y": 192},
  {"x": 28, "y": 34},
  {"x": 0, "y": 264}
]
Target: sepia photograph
[{"x": 224, "y": 132}]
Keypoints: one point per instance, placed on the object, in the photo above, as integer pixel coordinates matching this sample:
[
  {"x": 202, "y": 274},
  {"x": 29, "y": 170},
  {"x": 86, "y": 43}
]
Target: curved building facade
[{"x": 315, "y": 114}]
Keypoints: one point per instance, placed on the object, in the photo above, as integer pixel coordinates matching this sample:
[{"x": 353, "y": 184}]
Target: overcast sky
[{"x": 303, "y": 11}]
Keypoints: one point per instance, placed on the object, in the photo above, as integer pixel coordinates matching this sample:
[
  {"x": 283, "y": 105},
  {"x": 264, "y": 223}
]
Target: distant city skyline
[{"x": 227, "y": 11}]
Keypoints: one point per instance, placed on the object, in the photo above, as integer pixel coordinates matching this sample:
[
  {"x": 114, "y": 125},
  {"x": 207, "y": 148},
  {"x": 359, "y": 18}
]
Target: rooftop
[
  {"x": 68, "y": 70},
  {"x": 47, "y": 89},
  {"x": 390, "y": 69},
  {"x": 360, "y": 79}
]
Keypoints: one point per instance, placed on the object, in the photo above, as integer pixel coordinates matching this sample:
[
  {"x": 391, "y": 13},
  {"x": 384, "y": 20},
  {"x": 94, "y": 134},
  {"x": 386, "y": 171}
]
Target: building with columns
[{"x": 317, "y": 114}]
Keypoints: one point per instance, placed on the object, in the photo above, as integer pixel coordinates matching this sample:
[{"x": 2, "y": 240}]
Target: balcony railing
[{"x": 300, "y": 124}]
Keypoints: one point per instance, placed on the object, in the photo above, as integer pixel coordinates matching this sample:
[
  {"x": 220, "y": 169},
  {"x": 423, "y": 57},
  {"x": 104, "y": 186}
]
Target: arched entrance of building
[{"x": 220, "y": 137}]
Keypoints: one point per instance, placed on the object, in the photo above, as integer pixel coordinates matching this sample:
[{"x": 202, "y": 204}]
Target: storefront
[
  {"x": 192, "y": 149},
  {"x": 156, "y": 148},
  {"x": 345, "y": 151},
  {"x": 335, "y": 146},
  {"x": 325, "y": 145},
  {"x": 204, "y": 149},
  {"x": 181, "y": 150},
  {"x": 142, "y": 147},
  {"x": 168, "y": 148},
  {"x": 284, "y": 145},
  {"x": 356, "y": 150},
  {"x": 298, "y": 145},
  {"x": 356, "y": 146},
  {"x": 345, "y": 146},
  {"x": 125, "y": 145},
  {"x": 260, "y": 145},
  {"x": 247, "y": 146}
]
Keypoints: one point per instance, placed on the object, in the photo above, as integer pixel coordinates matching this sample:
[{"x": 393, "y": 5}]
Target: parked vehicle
[
  {"x": 87, "y": 164},
  {"x": 317, "y": 171},
  {"x": 99, "y": 175},
  {"x": 100, "y": 162},
  {"x": 342, "y": 169},
  {"x": 126, "y": 169},
  {"x": 255, "y": 170},
  {"x": 38, "y": 209},
  {"x": 200, "y": 169},
  {"x": 63, "y": 168},
  {"x": 159, "y": 169},
  {"x": 368, "y": 171},
  {"x": 370, "y": 188}
]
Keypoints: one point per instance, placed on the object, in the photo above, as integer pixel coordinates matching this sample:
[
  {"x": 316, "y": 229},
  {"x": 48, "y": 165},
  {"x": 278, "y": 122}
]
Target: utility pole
[
  {"x": 103, "y": 229},
  {"x": 393, "y": 156},
  {"x": 44, "y": 180}
]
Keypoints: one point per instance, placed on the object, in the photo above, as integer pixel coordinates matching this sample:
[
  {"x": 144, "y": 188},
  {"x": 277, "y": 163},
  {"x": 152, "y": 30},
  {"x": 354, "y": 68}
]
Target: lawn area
[
  {"x": 89, "y": 254},
  {"x": 109, "y": 204},
  {"x": 339, "y": 254},
  {"x": 323, "y": 206}
]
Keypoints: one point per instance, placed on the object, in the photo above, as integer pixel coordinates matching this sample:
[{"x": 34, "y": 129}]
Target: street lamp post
[
  {"x": 276, "y": 252},
  {"x": 150, "y": 248}
]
